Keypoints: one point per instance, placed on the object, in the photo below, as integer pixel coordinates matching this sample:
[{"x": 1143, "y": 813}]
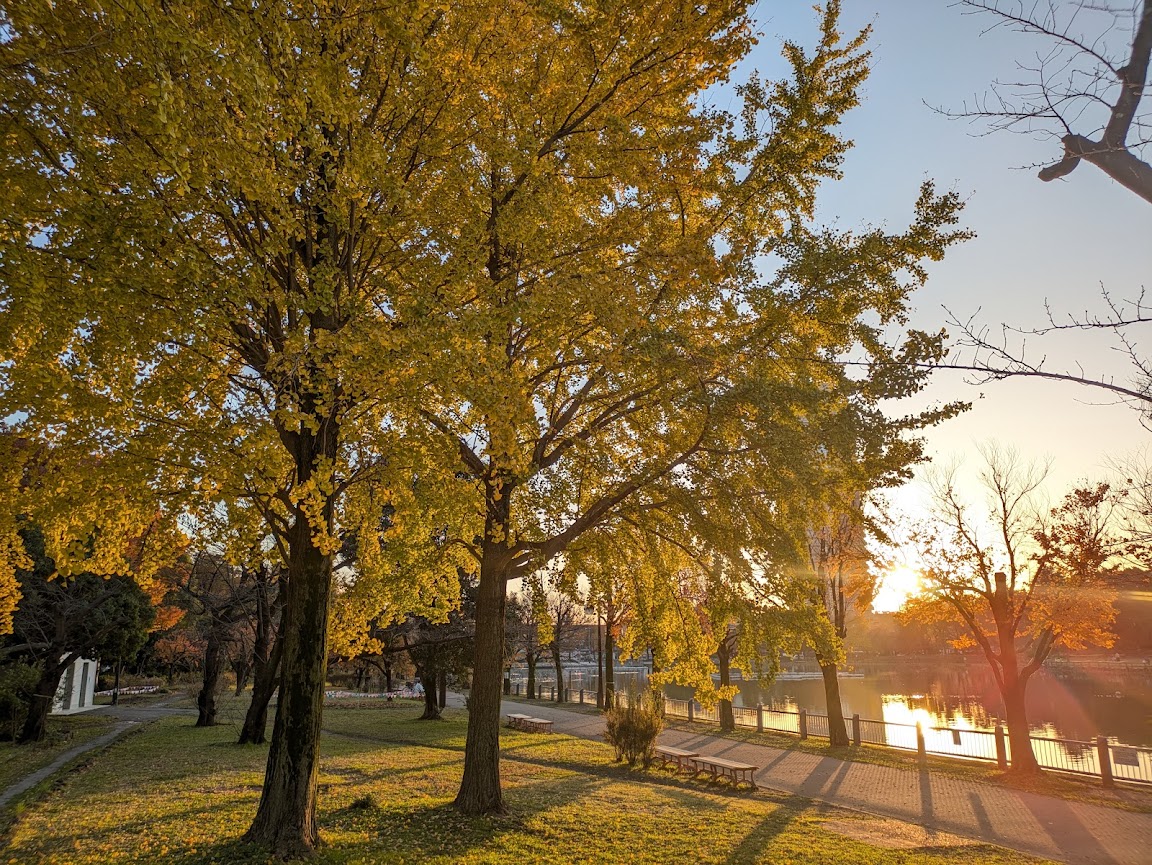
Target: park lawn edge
[{"x": 540, "y": 770}]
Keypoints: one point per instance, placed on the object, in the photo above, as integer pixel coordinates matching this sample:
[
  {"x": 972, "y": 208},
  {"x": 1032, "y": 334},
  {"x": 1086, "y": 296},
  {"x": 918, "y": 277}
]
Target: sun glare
[{"x": 895, "y": 588}]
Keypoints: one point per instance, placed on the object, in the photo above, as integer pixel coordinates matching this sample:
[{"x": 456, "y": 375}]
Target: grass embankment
[
  {"x": 64, "y": 733},
  {"x": 177, "y": 794},
  {"x": 1064, "y": 786}
]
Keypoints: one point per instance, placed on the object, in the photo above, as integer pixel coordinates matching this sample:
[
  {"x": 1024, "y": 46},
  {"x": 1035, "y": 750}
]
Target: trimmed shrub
[{"x": 632, "y": 729}]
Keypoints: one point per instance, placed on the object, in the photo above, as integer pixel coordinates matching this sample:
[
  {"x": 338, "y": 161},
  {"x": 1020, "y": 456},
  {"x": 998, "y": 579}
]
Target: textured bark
[
  {"x": 1019, "y": 733},
  {"x": 214, "y": 658},
  {"x": 36, "y": 724},
  {"x": 286, "y": 818},
  {"x": 530, "y": 658},
  {"x": 442, "y": 687},
  {"x": 837, "y": 730},
  {"x": 266, "y": 651},
  {"x": 480, "y": 787},
  {"x": 263, "y": 687},
  {"x": 431, "y": 704}
]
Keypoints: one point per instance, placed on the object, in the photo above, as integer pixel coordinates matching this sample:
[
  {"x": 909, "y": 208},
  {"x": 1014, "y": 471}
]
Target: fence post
[
  {"x": 1104, "y": 753},
  {"x": 517, "y": 689},
  {"x": 691, "y": 711},
  {"x": 552, "y": 693},
  {"x": 803, "y": 724},
  {"x": 759, "y": 717},
  {"x": 1001, "y": 749},
  {"x": 921, "y": 749},
  {"x": 856, "y": 729},
  {"x": 581, "y": 696}
]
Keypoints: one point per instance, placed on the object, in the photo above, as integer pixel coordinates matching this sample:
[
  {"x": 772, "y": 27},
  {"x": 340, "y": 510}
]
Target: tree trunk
[
  {"x": 1019, "y": 732},
  {"x": 286, "y": 818},
  {"x": 116, "y": 685},
  {"x": 530, "y": 658},
  {"x": 599, "y": 665},
  {"x": 442, "y": 683},
  {"x": 727, "y": 717},
  {"x": 559, "y": 672},
  {"x": 837, "y": 731},
  {"x": 480, "y": 787},
  {"x": 214, "y": 658},
  {"x": 242, "y": 666},
  {"x": 36, "y": 724},
  {"x": 387, "y": 677},
  {"x": 431, "y": 704},
  {"x": 609, "y": 668},
  {"x": 263, "y": 687}
]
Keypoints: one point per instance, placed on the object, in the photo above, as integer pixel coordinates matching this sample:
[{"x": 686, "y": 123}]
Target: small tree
[{"x": 1021, "y": 582}]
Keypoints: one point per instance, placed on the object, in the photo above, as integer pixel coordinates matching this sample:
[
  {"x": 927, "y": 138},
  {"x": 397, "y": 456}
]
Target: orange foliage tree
[{"x": 1022, "y": 582}]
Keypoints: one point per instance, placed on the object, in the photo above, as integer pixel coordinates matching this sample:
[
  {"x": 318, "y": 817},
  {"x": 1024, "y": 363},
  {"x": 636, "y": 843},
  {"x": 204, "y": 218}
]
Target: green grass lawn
[
  {"x": 68, "y": 731},
  {"x": 177, "y": 794}
]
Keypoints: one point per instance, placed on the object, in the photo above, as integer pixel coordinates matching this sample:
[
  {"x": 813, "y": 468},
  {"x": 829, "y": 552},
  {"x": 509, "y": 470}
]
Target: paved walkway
[
  {"x": 1074, "y": 832},
  {"x": 128, "y": 716}
]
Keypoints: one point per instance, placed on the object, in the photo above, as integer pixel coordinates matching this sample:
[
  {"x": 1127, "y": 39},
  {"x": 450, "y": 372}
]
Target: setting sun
[{"x": 895, "y": 588}]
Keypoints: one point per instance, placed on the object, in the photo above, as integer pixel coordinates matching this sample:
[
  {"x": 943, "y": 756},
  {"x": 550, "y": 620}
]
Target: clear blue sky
[{"x": 1057, "y": 241}]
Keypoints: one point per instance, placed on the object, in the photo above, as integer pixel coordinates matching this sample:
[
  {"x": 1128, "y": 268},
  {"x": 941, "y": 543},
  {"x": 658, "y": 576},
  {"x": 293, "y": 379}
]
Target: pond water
[{"x": 1068, "y": 702}]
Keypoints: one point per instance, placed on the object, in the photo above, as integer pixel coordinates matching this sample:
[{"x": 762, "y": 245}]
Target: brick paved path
[{"x": 1073, "y": 832}]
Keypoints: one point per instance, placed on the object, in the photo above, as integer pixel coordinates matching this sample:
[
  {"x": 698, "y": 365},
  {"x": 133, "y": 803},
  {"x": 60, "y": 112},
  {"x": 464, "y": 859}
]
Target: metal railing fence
[{"x": 1109, "y": 761}]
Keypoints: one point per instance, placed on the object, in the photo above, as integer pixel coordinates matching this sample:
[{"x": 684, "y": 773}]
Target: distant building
[{"x": 77, "y": 688}]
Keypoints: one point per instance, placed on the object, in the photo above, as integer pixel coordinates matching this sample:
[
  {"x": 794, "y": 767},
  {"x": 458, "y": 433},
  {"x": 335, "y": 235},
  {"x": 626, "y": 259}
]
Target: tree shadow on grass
[{"x": 755, "y": 843}]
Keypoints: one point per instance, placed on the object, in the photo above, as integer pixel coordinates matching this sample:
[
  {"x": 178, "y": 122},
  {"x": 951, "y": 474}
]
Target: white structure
[{"x": 77, "y": 688}]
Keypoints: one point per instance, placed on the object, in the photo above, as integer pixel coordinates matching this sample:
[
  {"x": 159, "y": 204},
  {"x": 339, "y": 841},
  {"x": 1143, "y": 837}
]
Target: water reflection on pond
[{"x": 1070, "y": 702}]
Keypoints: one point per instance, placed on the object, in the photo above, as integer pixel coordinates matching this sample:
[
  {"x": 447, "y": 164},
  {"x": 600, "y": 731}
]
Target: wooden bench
[
  {"x": 529, "y": 724},
  {"x": 718, "y": 767},
  {"x": 669, "y": 754}
]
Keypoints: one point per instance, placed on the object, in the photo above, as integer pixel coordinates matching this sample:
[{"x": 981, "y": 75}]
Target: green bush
[
  {"x": 632, "y": 729},
  {"x": 17, "y": 684}
]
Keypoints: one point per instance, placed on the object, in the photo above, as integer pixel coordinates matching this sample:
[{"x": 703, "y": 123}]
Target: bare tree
[
  {"x": 1081, "y": 86},
  {"x": 1084, "y": 86},
  {"x": 1021, "y": 582}
]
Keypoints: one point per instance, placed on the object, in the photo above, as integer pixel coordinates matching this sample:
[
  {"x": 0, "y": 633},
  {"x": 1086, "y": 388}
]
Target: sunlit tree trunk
[{"x": 837, "y": 730}]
